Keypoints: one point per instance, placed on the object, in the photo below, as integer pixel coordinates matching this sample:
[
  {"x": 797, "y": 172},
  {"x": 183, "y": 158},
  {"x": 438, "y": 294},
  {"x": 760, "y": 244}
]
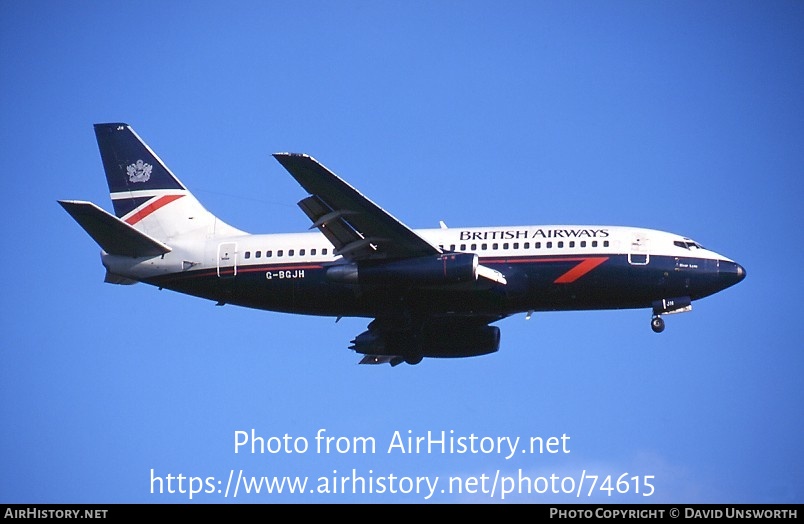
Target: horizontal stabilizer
[{"x": 112, "y": 234}]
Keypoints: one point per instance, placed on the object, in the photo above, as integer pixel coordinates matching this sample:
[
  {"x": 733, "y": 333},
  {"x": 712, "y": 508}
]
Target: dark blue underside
[{"x": 615, "y": 284}]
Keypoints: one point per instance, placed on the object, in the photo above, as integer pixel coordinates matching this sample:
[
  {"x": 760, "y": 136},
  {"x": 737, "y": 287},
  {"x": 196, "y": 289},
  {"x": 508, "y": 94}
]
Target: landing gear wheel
[
  {"x": 413, "y": 359},
  {"x": 657, "y": 324}
]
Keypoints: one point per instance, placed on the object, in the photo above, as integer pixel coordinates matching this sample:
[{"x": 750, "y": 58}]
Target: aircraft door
[
  {"x": 227, "y": 259},
  {"x": 639, "y": 252}
]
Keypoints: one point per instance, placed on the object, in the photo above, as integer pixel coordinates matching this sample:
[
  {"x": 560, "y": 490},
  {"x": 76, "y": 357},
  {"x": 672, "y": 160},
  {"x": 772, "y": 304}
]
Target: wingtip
[
  {"x": 288, "y": 154},
  {"x": 290, "y": 159},
  {"x": 116, "y": 125}
]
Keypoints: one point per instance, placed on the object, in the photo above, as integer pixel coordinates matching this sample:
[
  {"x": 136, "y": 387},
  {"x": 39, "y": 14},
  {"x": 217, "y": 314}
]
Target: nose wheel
[{"x": 657, "y": 324}]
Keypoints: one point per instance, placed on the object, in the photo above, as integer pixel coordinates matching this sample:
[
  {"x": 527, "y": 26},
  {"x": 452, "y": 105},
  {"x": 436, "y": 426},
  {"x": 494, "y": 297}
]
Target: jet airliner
[{"x": 429, "y": 292}]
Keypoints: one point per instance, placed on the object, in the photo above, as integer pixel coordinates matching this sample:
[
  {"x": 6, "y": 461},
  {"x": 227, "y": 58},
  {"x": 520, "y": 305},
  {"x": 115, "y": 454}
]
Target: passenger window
[
  {"x": 290, "y": 253},
  {"x": 301, "y": 252},
  {"x": 583, "y": 243},
  {"x": 561, "y": 243},
  {"x": 605, "y": 243},
  {"x": 269, "y": 254},
  {"x": 312, "y": 252},
  {"x": 527, "y": 245},
  {"x": 572, "y": 243},
  {"x": 549, "y": 245},
  {"x": 463, "y": 247},
  {"x": 537, "y": 245},
  {"x": 247, "y": 255},
  {"x": 516, "y": 245},
  {"x": 452, "y": 247},
  {"x": 324, "y": 251},
  {"x": 258, "y": 254},
  {"x": 474, "y": 247},
  {"x": 494, "y": 245},
  {"x": 594, "y": 243},
  {"x": 483, "y": 246},
  {"x": 279, "y": 253}
]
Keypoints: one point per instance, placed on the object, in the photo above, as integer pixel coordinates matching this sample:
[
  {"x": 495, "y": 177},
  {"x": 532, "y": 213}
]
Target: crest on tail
[
  {"x": 152, "y": 207},
  {"x": 139, "y": 182}
]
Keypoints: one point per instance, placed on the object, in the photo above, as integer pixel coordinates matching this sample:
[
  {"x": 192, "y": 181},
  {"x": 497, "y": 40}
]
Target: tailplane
[
  {"x": 145, "y": 194},
  {"x": 113, "y": 235}
]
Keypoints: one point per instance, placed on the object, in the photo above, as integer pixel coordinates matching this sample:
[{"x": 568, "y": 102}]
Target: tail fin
[{"x": 145, "y": 193}]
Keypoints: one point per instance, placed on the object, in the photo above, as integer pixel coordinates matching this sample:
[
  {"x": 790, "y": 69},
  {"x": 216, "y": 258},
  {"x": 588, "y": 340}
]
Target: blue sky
[{"x": 680, "y": 116}]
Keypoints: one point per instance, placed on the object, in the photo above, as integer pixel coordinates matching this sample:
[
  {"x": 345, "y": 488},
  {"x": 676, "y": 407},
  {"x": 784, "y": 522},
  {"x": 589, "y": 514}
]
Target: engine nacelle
[
  {"x": 444, "y": 343},
  {"x": 449, "y": 268}
]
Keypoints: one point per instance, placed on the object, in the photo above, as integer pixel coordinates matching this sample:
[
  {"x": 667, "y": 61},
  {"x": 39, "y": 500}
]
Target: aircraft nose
[{"x": 731, "y": 272}]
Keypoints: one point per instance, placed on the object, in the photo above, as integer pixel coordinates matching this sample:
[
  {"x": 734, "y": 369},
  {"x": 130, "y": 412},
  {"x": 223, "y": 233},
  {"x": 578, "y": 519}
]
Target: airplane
[{"x": 429, "y": 292}]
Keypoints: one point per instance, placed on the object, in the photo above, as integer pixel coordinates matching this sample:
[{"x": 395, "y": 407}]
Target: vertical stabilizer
[{"x": 146, "y": 194}]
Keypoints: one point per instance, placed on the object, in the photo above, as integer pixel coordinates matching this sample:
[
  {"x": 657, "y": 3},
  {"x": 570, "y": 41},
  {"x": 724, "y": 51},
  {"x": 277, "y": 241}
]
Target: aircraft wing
[
  {"x": 357, "y": 227},
  {"x": 361, "y": 230}
]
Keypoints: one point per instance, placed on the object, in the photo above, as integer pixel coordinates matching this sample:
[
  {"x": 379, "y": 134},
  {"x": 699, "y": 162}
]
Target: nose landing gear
[
  {"x": 668, "y": 306},
  {"x": 657, "y": 324}
]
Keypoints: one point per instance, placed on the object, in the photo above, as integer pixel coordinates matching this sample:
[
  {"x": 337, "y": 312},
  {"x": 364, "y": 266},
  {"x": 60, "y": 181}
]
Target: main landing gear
[
  {"x": 412, "y": 359},
  {"x": 657, "y": 324}
]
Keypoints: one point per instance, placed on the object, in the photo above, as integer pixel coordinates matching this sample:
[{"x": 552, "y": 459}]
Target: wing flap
[
  {"x": 381, "y": 359},
  {"x": 334, "y": 224}
]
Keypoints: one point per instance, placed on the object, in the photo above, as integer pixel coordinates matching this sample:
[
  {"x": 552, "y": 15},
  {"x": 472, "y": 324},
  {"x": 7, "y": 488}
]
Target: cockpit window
[{"x": 688, "y": 244}]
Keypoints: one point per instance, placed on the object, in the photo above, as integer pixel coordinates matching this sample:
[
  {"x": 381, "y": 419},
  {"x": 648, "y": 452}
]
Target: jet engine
[
  {"x": 467, "y": 341},
  {"x": 449, "y": 268}
]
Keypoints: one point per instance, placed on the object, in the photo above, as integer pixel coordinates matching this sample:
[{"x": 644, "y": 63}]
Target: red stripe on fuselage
[
  {"x": 151, "y": 207},
  {"x": 587, "y": 265}
]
